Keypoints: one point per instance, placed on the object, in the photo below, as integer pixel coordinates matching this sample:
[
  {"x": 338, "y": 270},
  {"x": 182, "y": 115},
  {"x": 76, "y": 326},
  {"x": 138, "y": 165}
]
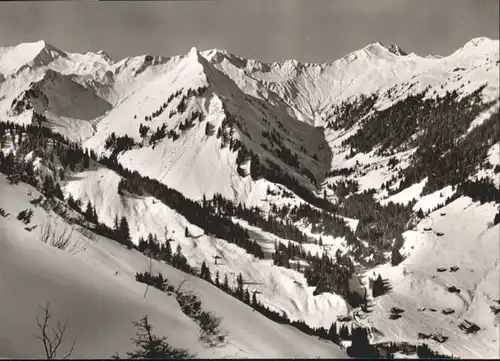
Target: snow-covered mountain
[{"x": 356, "y": 158}]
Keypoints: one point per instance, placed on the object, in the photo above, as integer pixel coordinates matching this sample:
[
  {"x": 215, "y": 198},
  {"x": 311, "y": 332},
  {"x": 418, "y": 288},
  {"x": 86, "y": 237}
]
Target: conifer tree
[
  {"x": 124, "y": 232},
  {"x": 58, "y": 192},
  {"x": 239, "y": 290},
  {"x": 246, "y": 297},
  {"x": 150, "y": 346},
  {"x": 254, "y": 299},
  {"x": 95, "y": 219},
  {"x": 333, "y": 334},
  {"x": 378, "y": 286},
  {"x": 396, "y": 257},
  {"x": 168, "y": 252},
  {"x": 89, "y": 212},
  {"x": 203, "y": 271},
  {"x": 217, "y": 280}
]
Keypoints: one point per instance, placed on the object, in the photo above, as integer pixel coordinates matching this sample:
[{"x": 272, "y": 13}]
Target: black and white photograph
[{"x": 235, "y": 179}]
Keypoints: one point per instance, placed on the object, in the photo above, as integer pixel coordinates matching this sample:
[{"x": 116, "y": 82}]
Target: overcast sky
[{"x": 307, "y": 30}]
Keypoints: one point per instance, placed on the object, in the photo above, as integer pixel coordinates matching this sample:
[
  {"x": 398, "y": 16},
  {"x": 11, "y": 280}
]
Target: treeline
[
  {"x": 345, "y": 172},
  {"x": 345, "y": 187},
  {"x": 190, "y": 93},
  {"x": 118, "y": 144},
  {"x": 210, "y": 332},
  {"x": 214, "y": 225},
  {"x": 253, "y": 216},
  {"x": 322, "y": 222},
  {"x": 446, "y": 152},
  {"x": 275, "y": 174},
  {"x": 482, "y": 190},
  {"x": 163, "y": 251},
  {"x": 214, "y": 217},
  {"x": 339, "y": 270},
  {"x": 378, "y": 224},
  {"x": 332, "y": 276},
  {"x": 152, "y": 248},
  {"x": 282, "y": 152},
  {"x": 348, "y": 113},
  {"x": 268, "y": 169}
]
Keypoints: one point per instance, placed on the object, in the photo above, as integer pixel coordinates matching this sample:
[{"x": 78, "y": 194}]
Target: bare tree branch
[{"x": 52, "y": 337}]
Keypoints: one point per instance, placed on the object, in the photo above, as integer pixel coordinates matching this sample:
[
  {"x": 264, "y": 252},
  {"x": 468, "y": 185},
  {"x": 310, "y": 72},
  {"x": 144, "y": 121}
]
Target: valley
[{"x": 353, "y": 203}]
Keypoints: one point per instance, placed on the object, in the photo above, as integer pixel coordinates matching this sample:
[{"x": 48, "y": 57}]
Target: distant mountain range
[{"x": 381, "y": 162}]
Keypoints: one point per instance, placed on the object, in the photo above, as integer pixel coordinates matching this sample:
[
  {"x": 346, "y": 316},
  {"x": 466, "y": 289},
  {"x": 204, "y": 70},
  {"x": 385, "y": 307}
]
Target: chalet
[
  {"x": 439, "y": 338},
  {"x": 469, "y": 327}
]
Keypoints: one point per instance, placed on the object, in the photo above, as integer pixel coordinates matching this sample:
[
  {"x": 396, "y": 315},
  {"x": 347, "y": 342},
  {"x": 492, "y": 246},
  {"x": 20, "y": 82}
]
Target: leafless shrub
[
  {"x": 182, "y": 282},
  {"x": 52, "y": 336},
  {"x": 50, "y": 235}
]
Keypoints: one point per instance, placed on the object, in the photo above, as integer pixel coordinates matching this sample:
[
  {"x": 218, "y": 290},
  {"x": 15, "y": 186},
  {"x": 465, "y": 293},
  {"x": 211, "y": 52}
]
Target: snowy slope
[
  {"x": 468, "y": 242},
  {"x": 84, "y": 288},
  {"x": 87, "y": 97},
  {"x": 197, "y": 164},
  {"x": 90, "y": 96},
  {"x": 281, "y": 289},
  {"x": 311, "y": 90}
]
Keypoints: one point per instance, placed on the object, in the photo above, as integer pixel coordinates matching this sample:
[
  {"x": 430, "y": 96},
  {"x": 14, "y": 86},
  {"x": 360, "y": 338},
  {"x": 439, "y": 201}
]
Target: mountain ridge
[{"x": 336, "y": 170}]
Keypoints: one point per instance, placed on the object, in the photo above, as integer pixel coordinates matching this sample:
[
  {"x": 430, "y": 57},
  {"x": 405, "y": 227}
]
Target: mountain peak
[
  {"x": 481, "y": 45},
  {"x": 193, "y": 52},
  {"x": 105, "y": 56},
  {"x": 42, "y": 46},
  {"x": 478, "y": 41},
  {"x": 392, "y": 48},
  {"x": 481, "y": 42},
  {"x": 396, "y": 49},
  {"x": 38, "y": 53}
]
